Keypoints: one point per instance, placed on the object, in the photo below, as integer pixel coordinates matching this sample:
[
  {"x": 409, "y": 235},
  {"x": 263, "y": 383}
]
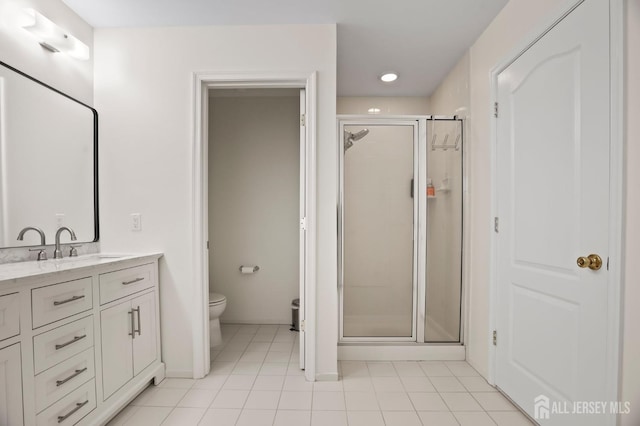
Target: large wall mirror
[{"x": 48, "y": 161}]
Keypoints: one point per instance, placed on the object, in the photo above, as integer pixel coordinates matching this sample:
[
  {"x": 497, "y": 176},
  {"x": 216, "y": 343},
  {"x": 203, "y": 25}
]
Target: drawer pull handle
[
  {"x": 76, "y": 373},
  {"x": 78, "y": 406},
  {"x": 62, "y": 302},
  {"x": 132, "y": 281},
  {"x": 133, "y": 325},
  {"x": 137, "y": 311},
  {"x": 75, "y": 339}
]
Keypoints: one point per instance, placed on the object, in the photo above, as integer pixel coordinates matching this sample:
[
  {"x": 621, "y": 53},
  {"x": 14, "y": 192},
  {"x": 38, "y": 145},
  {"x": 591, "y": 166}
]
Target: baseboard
[
  {"x": 179, "y": 374},
  {"x": 286, "y": 321},
  {"x": 412, "y": 352},
  {"x": 327, "y": 377}
]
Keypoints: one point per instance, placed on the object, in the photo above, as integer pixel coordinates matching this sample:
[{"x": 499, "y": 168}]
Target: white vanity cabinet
[{"x": 79, "y": 338}]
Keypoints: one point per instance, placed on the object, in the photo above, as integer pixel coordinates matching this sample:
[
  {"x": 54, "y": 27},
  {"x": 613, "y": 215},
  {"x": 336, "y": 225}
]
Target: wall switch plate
[
  {"x": 136, "y": 222},
  {"x": 59, "y": 220}
]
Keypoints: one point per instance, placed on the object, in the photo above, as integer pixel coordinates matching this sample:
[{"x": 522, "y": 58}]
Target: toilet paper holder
[{"x": 248, "y": 269}]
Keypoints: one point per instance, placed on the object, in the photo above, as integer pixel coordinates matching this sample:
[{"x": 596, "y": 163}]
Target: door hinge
[
  {"x": 302, "y": 324},
  {"x": 303, "y": 120},
  {"x": 495, "y": 338},
  {"x": 496, "y": 224},
  {"x": 495, "y": 109},
  {"x": 303, "y": 223}
]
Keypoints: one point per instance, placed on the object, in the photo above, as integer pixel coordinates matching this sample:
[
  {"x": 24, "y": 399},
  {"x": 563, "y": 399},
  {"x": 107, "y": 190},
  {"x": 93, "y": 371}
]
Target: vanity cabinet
[{"x": 79, "y": 338}]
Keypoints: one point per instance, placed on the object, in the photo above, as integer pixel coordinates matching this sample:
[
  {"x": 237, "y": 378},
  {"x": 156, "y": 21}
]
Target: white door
[
  {"x": 144, "y": 339},
  {"x": 117, "y": 362},
  {"x": 553, "y": 207},
  {"x": 303, "y": 215}
]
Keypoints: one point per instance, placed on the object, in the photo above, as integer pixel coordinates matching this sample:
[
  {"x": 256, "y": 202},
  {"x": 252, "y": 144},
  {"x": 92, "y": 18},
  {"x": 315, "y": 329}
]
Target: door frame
[
  {"x": 202, "y": 83},
  {"x": 616, "y": 183}
]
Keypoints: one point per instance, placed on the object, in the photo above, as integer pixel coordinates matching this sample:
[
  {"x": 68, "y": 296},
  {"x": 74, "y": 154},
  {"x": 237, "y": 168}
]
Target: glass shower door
[
  {"x": 444, "y": 231},
  {"x": 378, "y": 232}
]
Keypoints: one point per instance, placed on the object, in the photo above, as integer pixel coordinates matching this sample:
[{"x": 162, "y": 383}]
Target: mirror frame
[{"x": 96, "y": 215}]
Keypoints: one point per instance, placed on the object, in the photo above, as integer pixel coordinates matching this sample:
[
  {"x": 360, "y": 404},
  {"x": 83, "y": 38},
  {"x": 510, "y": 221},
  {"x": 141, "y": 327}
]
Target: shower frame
[{"x": 421, "y": 147}]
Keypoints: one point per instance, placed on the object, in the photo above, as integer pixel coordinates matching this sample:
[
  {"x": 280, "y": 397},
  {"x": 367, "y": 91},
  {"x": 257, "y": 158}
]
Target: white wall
[
  {"x": 517, "y": 20},
  {"x": 144, "y": 92},
  {"x": 254, "y": 205},
  {"x": 22, "y": 51},
  {"x": 392, "y": 105},
  {"x": 452, "y": 96}
]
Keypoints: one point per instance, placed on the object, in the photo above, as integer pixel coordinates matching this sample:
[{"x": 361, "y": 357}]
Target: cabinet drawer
[
  {"x": 70, "y": 409},
  {"x": 9, "y": 315},
  {"x": 54, "y": 302},
  {"x": 117, "y": 284},
  {"x": 60, "y": 380},
  {"x": 61, "y": 343}
]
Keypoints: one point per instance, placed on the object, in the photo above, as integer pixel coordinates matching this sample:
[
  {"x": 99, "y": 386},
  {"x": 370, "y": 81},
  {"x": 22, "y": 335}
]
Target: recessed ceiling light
[{"x": 389, "y": 77}]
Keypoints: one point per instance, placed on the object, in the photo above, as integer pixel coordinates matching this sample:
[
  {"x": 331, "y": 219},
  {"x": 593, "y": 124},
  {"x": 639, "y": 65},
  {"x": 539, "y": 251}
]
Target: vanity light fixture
[
  {"x": 389, "y": 77},
  {"x": 373, "y": 110},
  {"x": 52, "y": 37}
]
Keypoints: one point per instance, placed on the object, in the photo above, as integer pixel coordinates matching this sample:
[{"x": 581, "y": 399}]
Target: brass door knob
[{"x": 593, "y": 262}]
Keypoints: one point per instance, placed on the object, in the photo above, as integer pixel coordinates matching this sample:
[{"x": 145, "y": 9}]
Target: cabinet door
[
  {"x": 10, "y": 386},
  {"x": 117, "y": 362},
  {"x": 144, "y": 342}
]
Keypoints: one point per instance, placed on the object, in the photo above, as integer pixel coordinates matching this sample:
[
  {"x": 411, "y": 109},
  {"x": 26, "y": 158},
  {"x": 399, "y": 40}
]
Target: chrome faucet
[
  {"x": 57, "y": 253},
  {"x": 42, "y": 255},
  {"x": 32, "y": 228}
]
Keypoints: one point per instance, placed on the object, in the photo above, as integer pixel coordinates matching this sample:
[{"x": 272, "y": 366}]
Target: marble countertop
[{"x": 18, "y": 270}]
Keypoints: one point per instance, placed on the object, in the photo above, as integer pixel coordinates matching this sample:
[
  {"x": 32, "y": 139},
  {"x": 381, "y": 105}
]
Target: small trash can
[{"x": 295, "y": 318}]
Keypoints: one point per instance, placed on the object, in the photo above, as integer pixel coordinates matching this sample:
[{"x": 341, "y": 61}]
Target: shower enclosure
[{"x": 400, "y": 228}]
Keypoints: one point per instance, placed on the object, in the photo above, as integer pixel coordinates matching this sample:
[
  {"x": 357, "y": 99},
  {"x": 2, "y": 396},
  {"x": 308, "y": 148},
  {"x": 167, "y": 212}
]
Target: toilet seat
[{"x": 216, "y": 299}]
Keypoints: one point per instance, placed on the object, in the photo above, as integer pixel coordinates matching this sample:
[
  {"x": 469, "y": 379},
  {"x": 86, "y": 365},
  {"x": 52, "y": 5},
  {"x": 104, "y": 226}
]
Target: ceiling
[{"x": 421, "y": 40}]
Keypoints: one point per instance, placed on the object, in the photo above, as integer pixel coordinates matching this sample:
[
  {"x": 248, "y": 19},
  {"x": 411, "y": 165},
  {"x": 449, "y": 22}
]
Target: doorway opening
[
  {"x": 254, "y": 221},
  {"x": 254, "y": 205}
]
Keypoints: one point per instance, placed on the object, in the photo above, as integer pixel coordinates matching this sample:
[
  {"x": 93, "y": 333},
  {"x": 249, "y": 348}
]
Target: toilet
[{"x": 217, "y": 304}]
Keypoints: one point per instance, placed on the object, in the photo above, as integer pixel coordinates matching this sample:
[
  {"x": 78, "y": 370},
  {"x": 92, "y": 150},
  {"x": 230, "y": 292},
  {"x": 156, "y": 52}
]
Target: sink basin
[
  {"x": 93, "y": 257},
  {"x": 110, "y": 256}
]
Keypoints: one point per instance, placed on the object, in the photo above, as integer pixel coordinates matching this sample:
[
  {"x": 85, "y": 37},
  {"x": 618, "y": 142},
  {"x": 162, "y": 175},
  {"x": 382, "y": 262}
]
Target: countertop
[{"x": 18, "y": 270}]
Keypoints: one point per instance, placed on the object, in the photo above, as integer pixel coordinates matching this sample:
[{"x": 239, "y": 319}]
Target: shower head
[{"x": 350, "y": 138}]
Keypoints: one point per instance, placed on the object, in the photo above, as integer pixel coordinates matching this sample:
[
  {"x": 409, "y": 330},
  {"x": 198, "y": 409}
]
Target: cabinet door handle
[
  {"x": 76, "y": 373},
  {"x": 75, "y": 339},
  {"x": 135, "y": 280},
  {"x": 132, "y": 324},
  {"x": 62, "y": 302},
  {"x": 78, "y": 406},
  {"x": 137, "y": 310}
]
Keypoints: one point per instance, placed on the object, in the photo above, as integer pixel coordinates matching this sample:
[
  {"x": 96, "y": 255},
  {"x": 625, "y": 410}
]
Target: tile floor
[{"x": 255, "y": 381}]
